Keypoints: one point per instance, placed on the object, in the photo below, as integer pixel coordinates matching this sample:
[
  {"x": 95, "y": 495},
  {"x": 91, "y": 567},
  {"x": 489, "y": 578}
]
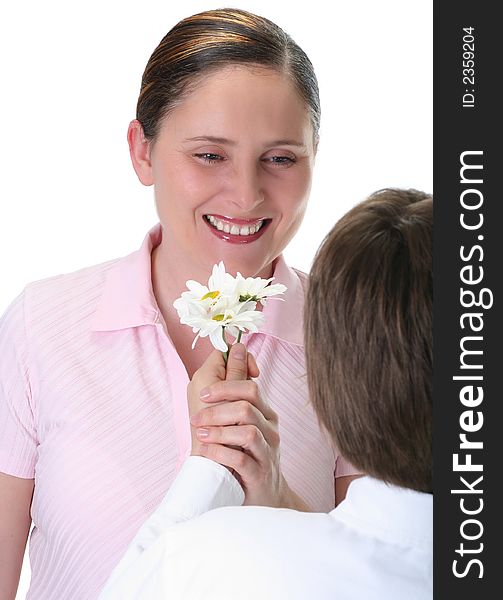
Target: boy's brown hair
[{"x": 368, "y": 336}]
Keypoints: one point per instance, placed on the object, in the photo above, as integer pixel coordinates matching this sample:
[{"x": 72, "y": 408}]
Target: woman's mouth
[{"x": 235, "y": 230}]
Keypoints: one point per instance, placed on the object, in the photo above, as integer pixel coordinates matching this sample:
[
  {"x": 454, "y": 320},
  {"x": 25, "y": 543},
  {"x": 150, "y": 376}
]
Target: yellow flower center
[
  {"x": 218, "y": 318},
  {"x": 210, "y": 295}
]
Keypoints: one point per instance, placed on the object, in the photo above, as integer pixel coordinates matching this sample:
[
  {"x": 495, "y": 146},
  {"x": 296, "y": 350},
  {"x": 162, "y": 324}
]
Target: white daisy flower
[
  {"x": 257, "y": 289},
  {"x": 226, "y": 303},
  {"x": 233, "y": 318}
]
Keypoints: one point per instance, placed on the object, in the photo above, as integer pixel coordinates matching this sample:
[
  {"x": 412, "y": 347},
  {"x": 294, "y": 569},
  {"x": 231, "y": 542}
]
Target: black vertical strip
[{"x": 467, "y": 119}]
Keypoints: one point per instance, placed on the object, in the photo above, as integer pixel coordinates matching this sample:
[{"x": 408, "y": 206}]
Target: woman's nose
[{"x": 246, "y": 190}]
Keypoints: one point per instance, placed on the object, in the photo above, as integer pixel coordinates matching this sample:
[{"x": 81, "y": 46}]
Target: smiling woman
[{"x": 95, "y": 364}]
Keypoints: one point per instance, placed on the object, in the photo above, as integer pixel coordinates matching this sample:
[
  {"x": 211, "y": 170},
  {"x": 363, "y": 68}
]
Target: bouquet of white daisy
[{"x": 226, "y": 303}]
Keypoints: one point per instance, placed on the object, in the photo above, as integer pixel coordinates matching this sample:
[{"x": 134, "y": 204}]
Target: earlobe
[{"x": 139, "y": 150}]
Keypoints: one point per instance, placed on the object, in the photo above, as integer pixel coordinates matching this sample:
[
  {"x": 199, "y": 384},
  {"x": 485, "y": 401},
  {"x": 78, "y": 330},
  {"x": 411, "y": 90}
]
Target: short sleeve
[{"x": 18, "y": 440}]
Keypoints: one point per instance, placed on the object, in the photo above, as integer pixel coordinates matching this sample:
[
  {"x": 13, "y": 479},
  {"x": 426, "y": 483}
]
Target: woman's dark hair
[
  {"x": 208, "y": 41},
  {"x": 368, "y": 335}
]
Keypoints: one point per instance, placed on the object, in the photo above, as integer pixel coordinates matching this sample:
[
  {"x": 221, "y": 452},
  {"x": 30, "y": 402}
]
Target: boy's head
[{"x": 368, "y": 333}]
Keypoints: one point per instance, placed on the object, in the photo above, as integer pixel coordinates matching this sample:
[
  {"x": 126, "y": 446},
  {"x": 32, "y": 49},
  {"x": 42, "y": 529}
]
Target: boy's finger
[{"x": 237, "y": 364}]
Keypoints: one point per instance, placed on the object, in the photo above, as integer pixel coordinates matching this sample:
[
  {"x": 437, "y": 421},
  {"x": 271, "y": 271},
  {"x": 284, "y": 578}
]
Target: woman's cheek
[
  {"x": 200, "y": 183},
  {"x": 295, "y": 195}
]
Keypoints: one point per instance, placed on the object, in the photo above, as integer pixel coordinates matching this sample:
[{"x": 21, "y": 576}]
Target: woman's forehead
[{"x": 238, "y": 99}]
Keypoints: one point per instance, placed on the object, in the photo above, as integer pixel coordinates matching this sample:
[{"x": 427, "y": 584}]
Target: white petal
[
  {"x": 217, "y": 341},
  {"x": 197, "y": 288},
  {"x": 208, "y": 327},
  {"x": 250, "y": 320},
  {"x": 199, "y": 309},
  {"x": 194, "y": 342},
  {"x": 272, "y": 290},
  {"x": 224, "y": 282},
  {"x": 249, "y": 305},
  {"x": 216, "y": 279},
  {"x": 180, "y": 303}
]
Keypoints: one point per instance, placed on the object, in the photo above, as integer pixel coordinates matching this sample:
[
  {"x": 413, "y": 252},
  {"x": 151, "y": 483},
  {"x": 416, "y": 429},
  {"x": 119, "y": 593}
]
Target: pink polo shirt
[{"x": 93, "y": 407}]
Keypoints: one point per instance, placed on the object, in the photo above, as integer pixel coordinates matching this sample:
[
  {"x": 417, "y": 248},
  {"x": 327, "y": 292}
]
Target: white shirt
[{"x": 377, "y": 544}]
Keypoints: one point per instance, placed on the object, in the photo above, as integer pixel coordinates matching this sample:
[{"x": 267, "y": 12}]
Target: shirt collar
[
  {"x": 391, "y": 512},
  {"x": 128, "y": 299},
  {"x": 283, "y": 318}
]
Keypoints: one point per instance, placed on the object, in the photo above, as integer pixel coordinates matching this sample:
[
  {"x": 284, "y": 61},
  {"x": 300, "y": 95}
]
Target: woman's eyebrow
[{"x": 219, "y": 140}]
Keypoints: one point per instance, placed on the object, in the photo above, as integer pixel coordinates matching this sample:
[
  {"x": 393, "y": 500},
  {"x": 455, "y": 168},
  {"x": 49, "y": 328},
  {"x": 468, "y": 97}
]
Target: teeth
[{"x": 234, "y": 229}]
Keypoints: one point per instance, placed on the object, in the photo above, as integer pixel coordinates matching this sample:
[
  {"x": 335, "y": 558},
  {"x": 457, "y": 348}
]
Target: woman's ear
[{"x": 139, "y": 150}]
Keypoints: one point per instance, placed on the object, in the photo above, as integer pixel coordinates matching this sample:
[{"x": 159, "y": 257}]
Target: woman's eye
[
  {"x": 209, "y": 157},
  {"x": 280, "y": 160}
]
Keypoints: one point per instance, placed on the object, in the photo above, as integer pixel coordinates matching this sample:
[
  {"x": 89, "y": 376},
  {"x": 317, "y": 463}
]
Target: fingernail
[
  {"x": 204, "y": 393},
  {"x": 239, "y": 351},
  {"x": 202, "y": 433}
]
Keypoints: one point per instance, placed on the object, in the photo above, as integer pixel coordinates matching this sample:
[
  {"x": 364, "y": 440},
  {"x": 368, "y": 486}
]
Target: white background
[{"x": 70, "y": 76}]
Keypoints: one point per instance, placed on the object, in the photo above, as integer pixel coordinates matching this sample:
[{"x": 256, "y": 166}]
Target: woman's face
[{"x": 232, "y": 168}]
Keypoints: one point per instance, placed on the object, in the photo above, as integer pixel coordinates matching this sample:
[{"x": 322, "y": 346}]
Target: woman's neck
[{"x": 168, "y": 281}]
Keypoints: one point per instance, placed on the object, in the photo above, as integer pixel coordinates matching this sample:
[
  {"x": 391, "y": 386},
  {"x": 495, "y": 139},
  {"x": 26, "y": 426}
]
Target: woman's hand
[{"x": 238, "y": 429}]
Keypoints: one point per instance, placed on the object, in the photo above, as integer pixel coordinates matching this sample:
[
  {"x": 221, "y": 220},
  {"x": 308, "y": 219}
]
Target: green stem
[
  {"x": 226, "y": 354},
  {"x": 238, "y": 339}
]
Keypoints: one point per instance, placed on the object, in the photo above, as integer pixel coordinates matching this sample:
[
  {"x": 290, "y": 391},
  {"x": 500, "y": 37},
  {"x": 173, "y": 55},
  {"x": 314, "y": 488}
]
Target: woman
[{"x": 95, "y": 365}]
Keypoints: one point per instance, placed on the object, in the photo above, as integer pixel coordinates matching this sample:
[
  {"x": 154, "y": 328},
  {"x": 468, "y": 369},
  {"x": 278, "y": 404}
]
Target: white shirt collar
[{"x": 386, "y": 510}]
